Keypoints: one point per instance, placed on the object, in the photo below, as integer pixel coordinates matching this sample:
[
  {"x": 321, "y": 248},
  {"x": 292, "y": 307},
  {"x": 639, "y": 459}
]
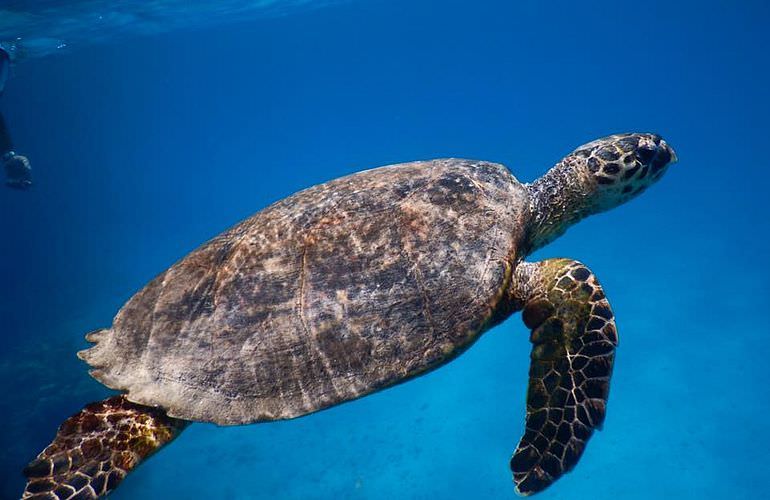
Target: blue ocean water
[{"x": 153, "y": 133}]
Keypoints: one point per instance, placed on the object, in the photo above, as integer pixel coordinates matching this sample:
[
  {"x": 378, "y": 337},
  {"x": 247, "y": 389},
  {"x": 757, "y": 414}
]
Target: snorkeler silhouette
[{"x": 18, "y": 172}]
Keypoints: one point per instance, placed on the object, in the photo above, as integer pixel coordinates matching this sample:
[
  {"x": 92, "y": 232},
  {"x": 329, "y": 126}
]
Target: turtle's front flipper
[
  {"x": 574, "y": 339},
  {"x": 95, "y": 449}
]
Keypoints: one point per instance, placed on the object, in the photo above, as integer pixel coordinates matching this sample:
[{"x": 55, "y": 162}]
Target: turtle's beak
[{"x": 674, "y": 157}]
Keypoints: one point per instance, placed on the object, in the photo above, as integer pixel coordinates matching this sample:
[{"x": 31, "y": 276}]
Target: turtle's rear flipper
[
  {"x": 574, "y": 339},
  {"x": 95, "y": 449}
]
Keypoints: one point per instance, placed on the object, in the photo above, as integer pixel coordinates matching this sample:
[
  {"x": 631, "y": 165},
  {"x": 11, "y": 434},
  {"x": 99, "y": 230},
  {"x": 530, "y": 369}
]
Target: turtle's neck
[{"x": 558, "y": 200}]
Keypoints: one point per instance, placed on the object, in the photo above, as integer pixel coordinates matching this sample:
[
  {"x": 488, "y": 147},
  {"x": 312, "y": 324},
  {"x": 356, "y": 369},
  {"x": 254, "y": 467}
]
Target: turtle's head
[
  {"x": 595, "y": 177},
  {"x": 622, "y": 166}
]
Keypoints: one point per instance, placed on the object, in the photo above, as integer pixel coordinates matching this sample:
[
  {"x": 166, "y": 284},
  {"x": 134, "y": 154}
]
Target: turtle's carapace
[{"x": 353, "y": 286}]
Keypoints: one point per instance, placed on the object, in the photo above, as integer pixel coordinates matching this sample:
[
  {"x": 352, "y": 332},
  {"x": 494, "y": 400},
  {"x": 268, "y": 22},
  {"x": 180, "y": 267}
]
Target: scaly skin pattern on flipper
[
  {"x": 574, "y": 339},
  {"x": 335, "y": 292},
  {"x": 95, "y": 449}
]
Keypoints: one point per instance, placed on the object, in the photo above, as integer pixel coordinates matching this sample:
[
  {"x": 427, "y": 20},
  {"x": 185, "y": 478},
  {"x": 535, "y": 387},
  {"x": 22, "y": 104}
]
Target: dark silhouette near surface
[{"x": 18, "y": 171}]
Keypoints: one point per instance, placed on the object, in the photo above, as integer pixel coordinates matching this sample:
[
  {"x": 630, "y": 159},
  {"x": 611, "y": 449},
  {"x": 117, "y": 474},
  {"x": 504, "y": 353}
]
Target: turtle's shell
[{"x": 327, "y": 295}]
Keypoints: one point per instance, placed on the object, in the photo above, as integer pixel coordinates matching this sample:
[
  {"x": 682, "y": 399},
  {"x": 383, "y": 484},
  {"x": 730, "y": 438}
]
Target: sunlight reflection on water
[{"x": 39, "y": 28}]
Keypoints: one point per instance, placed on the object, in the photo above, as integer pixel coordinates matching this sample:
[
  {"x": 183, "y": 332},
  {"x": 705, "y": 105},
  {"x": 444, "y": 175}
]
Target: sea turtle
[{"x": 353, "y": 286}]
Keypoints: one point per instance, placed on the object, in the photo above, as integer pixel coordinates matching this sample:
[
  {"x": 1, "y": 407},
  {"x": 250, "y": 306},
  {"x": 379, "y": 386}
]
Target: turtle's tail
[{"x": 95, "y": 449}]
